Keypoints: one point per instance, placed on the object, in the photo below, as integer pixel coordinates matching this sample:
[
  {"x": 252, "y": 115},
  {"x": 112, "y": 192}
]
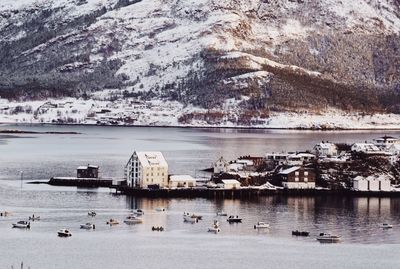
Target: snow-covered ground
[{"x": 166, "y": 113}]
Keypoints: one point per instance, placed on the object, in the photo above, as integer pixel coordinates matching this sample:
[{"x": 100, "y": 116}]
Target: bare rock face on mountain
[{"x": 269, "y": 55}]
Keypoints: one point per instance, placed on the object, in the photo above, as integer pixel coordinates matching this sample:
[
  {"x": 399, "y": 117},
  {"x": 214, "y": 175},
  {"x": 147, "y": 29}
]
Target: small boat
[
  {"x": 214, "y": 228},
  {"x": 33, "y": 218},
  {"x": 138, "y": 212},
  {"x": 233, "y": 219},
  {"x": 132, "y": 219},
  {"x": 112, "y": 222},
  {"x": 198, "y": 217},
  {"x": 160, "y": 209},
  {"x": 88, "y": 226},
  {"x": 328, "y": 238},
  {"x": 64, "y": 233},
  {"x": 5, "y": 214},
  {"x": 386, "y": 226},
  {"x": 157, "y": 228},
  {"x": 92, "y": 213},
  {"x": 22, "y": 224},
  {"x": 261, "y": 225},
  {"x": 190, "y": 218},
  {"x": 300, "y": 233},
  {"x": 222, "y": 214}
]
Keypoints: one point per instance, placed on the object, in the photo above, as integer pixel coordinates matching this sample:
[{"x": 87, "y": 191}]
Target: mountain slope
[{"x": 269, "y": 55}]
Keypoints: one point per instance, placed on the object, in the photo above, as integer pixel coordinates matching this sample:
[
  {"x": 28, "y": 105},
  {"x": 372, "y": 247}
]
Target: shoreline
[{"x": 205, "y": 127}]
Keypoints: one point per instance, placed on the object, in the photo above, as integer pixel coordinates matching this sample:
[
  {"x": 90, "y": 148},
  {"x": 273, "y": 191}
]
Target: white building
[
  {"x": 365, "y": 147},
  {"x": 146, "y": 168},
  {"x": 229, "y": 184},
  {"x": 326, "y": 149},
  {"x": 280, "y": 158},
  {"x": 220, "y": 166},
  {"x": 181, "y": 181},
  {"x": 384, "y": 142},
  {"x": 394, "y": 149},
  {"x": 372, "y": 183},
  {"x": 300, "y": 158}
]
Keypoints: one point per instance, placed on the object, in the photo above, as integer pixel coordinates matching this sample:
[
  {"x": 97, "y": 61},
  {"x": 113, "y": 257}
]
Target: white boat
[
  {"x": 88, "y": 226},
  {"x": 132, "y": 219},
  {"x": 22, "y": 224},
  {"x": 386, "y": 226},
  {"x": 33, "y": 217},
  {"x": 261, "y": 225},
  {"x": 222, "y": 214},
  {"x": 138, "y": 212},
  {"x": 328, "y": 238},
  {"x": 113, "y": 222},
  {"x": 215, "y": 227},
  {"x": 160, "y": 209},
  {"x": 92, "y": 213},
  {"x": 64, "y": 233},
  {"x": 190, "y": 218}
]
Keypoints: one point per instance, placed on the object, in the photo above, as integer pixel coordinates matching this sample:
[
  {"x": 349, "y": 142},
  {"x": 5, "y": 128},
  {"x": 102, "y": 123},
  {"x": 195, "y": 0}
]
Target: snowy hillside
[{"x": 240, "y": 61}]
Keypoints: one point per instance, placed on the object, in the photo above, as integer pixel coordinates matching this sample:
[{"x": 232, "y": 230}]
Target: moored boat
[
  {"x": 160, "y": 209},
  {"x": 33, "y": 217},
  {"x": 386, "y": 226},
  {"x": 190, "y": 218},
  {"x": 22, "y": 224},
  {"x": 138, "y": 212},
  {"x": 233, "y": 219},
  {"x": 222, "y": 214},
  {"x": 92, "y": 213},
  {"x": 261, "y": 225},
  {"x": 328, "y": 238},
  {"x": 113, "y": 222},
  {"x": 88, "y": 226},
  {"x": 132, "y": 219},
  {"x": 215, "y": 227},
  {"x": 157, "y": 228},
  {"x": 64, "y": 233},
  {"x": 300, "y": 233}
]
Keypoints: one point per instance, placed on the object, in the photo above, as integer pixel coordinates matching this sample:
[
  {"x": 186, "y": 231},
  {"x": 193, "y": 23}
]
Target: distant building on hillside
[
  {"x": 300, "y": 158},
  {"x": 365, "y": 148},
  {"x": 88, "y": 171},
  {"x": 384, "y": 142},
  {"x": 326, "y": 149},
  {"x": 147, "y": 169},
  {"x": 297, "y": 177}
]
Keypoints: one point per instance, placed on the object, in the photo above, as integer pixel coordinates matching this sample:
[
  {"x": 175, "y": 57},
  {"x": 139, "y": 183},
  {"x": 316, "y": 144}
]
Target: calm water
[{"x": 181, "y": 245}]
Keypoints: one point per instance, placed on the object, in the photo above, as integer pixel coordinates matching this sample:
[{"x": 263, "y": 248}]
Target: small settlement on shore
[{"x": 359, "y": 169}]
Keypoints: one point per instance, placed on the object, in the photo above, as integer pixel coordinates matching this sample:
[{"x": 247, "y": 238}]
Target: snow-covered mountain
[{"x": 240, "y": 61}]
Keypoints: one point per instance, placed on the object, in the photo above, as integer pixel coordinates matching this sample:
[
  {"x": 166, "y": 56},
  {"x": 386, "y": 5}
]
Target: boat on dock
[
  {"x": 233, "y": 219},
  {"x": 261, "y": 225},
  {"x": 132, "y": 219},
  {"x": 22, "y": 224},
  {"x": 88, "y": 226},
  {"x": 64, "y": 233},
  {"x": 112, "y": 222},
  {"x": 300, "y": 233},
  {"x": 215, "y": 227},
  {"x": 328, "y": 238}
]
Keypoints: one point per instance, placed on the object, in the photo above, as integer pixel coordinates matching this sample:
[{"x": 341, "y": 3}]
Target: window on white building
[
  {"x": 306, "y": 179},
  {"x": 296, "y": 179},
  {"x": 306, "y": 173}
]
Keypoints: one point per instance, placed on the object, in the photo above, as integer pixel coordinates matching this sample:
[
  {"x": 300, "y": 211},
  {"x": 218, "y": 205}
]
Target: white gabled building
[
  {"x": 394, "y": 149},
  {"x": 146, "y": 168},
  {"x": 229, "y": 184},
  {"x": 372, "y": 183},
  {"x": 220, "y": 166},
  {"x": 326, "y": 149}
]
